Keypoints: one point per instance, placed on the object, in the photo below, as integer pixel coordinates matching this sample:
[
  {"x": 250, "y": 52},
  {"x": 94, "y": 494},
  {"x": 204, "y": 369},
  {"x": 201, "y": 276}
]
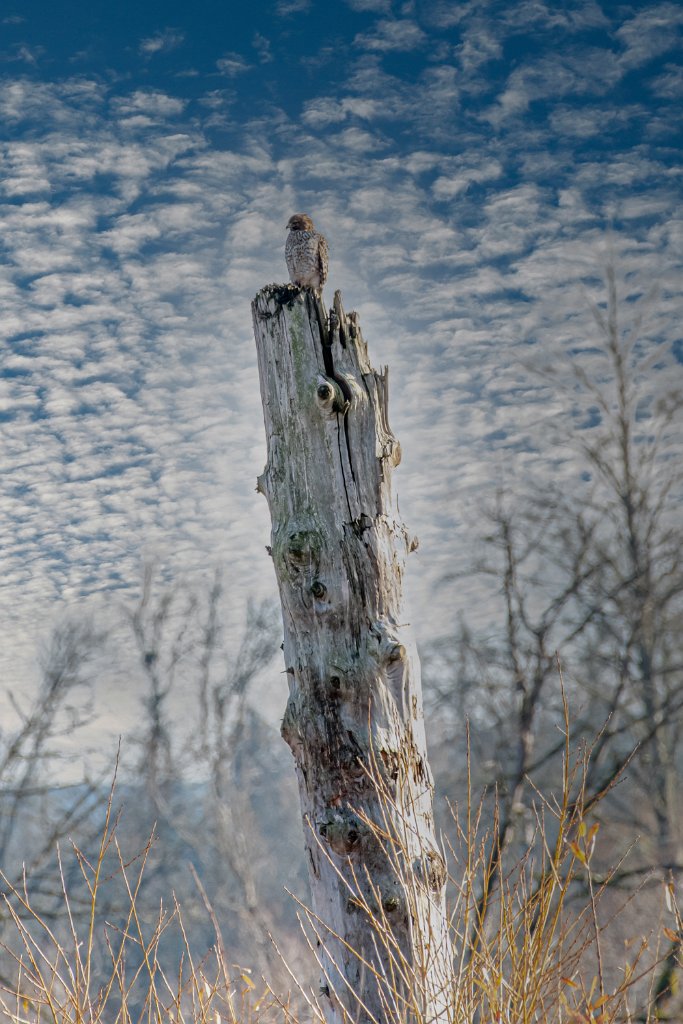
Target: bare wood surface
[{"x": 354, "y": 718}]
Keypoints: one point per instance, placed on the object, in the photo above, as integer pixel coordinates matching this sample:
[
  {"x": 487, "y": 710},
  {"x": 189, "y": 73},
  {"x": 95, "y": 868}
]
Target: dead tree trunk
[{"x": 354, "y": 718}]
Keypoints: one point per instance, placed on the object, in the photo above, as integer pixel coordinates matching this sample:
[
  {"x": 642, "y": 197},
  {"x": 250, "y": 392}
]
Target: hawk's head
[{"x": 300, "y": 222}]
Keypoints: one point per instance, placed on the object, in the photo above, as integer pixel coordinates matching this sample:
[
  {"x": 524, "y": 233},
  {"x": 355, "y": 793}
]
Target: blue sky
[{"x": 473, "y": 165}]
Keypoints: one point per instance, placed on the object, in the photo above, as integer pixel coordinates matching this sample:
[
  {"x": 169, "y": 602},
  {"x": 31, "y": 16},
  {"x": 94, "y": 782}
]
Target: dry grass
[
  {"x": 115, "y": 973},
  {"x": 522, "y": 953},
  {"x": 527, "y": 938}
]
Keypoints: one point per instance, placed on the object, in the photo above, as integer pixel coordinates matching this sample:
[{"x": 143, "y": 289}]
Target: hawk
[{"x": 306, "y": 253}]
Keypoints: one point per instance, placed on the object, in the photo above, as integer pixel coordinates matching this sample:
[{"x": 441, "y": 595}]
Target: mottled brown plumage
[{"x": 306, "y": 253}]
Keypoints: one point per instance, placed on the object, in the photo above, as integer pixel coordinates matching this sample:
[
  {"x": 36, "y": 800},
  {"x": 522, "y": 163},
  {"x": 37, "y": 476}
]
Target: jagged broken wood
[{"x": 354, "y": 718}]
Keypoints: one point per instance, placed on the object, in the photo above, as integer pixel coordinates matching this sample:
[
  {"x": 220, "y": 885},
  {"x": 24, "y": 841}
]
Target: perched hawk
[{"x": 306, "y": 253}]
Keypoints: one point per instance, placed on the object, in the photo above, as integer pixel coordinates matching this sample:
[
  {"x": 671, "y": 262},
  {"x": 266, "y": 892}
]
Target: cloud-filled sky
[{"x": 473, "y": 165}]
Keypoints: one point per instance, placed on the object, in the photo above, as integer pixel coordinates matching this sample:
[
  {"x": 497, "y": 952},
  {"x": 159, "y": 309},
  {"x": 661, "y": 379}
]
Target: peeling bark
[{"x": 354, "y": 718}]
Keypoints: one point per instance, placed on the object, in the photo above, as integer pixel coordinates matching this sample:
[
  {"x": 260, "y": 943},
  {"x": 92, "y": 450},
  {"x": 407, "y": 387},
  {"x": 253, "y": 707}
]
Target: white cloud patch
[
  {"x": 578, "y": 73},
  {"x": 571, "y": 17},
  {"x": 29, "y": 54},
  {"x": 148, "y": 106},
  {"x": 377, "y": 6},
  {"x": 64, "y": 105},
  {"x": 320, "y": 113},
  {"x": 428, "y": 105},
  {"x": 262, "y": 46},
  {"x": 594, "y": 121},
  {"x": 669, "y": 84},
  {"x": 358, "y": 141},
  {"x": 479, "y": 45},
  {"x": 285, "y": 8},
  {"x": 444, "y": 14},
  {"x": 232, "y": 64},
  {"x": 162, "y": 42},
  {"x": 652, "y": 32},
  {"x": 447, "y": 186},
  {"x": 399, "y": 35}
]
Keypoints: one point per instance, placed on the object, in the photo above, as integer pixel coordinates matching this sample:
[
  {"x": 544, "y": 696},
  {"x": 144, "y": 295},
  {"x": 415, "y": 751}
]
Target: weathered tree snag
[{"x": 354, "y": 718}]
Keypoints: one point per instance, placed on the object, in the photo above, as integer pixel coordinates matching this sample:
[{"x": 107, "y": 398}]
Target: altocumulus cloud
[{"x": 465, "y": 165}]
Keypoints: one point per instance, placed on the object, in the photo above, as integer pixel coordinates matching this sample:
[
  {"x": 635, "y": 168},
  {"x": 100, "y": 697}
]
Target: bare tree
[
  {"x": 204, "y": 776},
  {"x": 205, "y": 760},
  {"x": 594, "y": 571},
  {"x": 36, "y": 809}
]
